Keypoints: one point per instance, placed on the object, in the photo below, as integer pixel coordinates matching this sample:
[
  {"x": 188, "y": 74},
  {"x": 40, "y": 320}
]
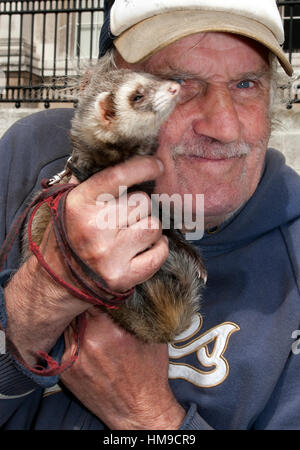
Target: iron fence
[
  {"x": 290, "y": 13},
  {"x": 45, "y": 43}
]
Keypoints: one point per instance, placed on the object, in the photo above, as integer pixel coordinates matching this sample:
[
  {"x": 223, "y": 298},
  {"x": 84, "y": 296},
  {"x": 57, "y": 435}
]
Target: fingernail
[{"x": 160, "y": 165}]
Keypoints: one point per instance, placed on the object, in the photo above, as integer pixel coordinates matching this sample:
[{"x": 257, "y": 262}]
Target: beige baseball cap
[{"x": 140, "y": 28}]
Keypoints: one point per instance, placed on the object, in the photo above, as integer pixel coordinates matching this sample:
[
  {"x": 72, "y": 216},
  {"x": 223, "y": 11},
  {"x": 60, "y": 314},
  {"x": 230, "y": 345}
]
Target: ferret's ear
[{"x": 104, "y": 107}]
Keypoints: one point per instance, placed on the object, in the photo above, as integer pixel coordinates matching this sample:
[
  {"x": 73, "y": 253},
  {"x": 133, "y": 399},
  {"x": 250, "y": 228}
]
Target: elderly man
[{"x": 236, "y": 367}]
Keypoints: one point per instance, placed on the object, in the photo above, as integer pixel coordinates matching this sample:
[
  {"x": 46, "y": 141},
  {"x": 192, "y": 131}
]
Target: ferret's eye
[{"x": 137, "y": 97}]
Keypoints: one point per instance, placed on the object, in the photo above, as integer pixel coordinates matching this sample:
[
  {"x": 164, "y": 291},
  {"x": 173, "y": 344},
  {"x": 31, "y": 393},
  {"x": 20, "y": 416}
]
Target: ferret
[{"x": 119, "y": 114}]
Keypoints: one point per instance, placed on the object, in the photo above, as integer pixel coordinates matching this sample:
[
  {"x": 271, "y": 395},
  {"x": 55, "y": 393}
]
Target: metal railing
[
  {"x": 290, "y": 12},
  {"x": 44, "y": 44}
]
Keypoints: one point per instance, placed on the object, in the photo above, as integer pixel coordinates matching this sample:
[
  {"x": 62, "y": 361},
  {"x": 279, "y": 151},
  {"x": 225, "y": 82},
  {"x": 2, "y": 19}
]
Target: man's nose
[{"x": 216, "y": 116}]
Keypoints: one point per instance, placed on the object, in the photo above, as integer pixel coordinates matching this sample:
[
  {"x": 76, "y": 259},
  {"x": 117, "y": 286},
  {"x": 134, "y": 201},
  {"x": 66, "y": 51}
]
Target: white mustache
[{"x": 206, "y": 147}]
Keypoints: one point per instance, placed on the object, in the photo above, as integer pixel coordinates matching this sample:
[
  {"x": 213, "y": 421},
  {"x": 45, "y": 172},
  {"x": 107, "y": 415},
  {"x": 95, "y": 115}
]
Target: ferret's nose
[{"x": 174, "y": 88}]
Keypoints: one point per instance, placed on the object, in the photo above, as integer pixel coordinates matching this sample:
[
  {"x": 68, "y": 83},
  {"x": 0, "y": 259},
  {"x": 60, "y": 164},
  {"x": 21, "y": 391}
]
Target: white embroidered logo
[{"x": 214, "y": 360}]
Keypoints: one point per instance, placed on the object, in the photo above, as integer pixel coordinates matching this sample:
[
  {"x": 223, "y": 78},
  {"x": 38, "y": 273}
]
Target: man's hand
[
  {"x": 117, "y": 253},
  {"x": 38, "y": 309},
  {"x": 122, "y": 380}
]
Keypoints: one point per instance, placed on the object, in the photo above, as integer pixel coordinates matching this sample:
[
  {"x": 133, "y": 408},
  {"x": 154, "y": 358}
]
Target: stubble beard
[{"x": 208, "y": 148}]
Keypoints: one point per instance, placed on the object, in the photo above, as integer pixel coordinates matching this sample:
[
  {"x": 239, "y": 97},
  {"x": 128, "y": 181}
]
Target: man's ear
[{"x": 104, "y": 107}]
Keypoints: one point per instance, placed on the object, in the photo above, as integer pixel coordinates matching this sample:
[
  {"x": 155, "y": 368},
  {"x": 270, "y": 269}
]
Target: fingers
[
  {"x": 139, "y": 254},
  {"x": 110, "y": 233},
  {"x": 145, "y": 265},
  {"x": 143, "y": 234}
]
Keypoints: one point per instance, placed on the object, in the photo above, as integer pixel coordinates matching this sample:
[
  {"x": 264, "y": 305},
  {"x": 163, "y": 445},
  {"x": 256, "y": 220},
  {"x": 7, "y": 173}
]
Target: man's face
[{"x": 214, "y": 142}]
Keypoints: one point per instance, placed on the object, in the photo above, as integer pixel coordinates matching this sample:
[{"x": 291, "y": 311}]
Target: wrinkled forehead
[{"x": 217, "y": 49}]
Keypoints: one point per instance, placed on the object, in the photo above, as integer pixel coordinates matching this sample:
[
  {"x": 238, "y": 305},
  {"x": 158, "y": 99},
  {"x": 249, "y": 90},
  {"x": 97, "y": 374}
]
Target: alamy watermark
[{"x": 184, "y": 213}]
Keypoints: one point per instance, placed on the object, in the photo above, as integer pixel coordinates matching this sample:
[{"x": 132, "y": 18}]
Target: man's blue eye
[{"x": 245, "y": 84}]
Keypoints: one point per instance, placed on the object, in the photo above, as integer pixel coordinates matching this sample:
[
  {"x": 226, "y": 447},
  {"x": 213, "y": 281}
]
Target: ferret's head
[{"x": 131, "y": 106}]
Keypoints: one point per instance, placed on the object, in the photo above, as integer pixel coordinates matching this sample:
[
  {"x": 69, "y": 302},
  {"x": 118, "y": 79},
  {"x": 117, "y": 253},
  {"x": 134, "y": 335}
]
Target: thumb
[{"x": 134, "y": 171}]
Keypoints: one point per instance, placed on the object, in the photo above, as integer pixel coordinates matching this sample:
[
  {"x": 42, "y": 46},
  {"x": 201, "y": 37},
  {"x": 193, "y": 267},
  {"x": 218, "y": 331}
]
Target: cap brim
[{"x": 151, "y": 35}]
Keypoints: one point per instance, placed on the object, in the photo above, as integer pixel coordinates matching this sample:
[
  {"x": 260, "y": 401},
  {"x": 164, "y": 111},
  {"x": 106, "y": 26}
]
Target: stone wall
[
  {"x": 10, "y": 114},
  {"x": 286, "y": 137}
]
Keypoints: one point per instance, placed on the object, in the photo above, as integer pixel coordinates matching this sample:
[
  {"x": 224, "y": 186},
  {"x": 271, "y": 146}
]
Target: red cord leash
[{"x": 55, "y": 198}]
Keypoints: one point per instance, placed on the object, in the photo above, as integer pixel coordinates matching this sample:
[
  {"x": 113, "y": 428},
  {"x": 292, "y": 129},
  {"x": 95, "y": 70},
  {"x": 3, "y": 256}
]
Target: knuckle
[
  {"x": 72, "y": 204},
  {"x": 156, "y": 261},
  {"x": 115, "y": 176},
  {"x": 102, "y": 251},
  {"x": 165, "y": 250},
  {"x": 151, "y": 165},
  {"x": 113, "y": 276},
  {"x": 139, "y": 197},
  {"x": 91, "y": 345},
  {"x": 146, "y": 234}
]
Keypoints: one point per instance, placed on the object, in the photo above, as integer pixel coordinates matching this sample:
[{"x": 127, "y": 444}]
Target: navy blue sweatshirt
[{"x": 238, "y": 365}]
